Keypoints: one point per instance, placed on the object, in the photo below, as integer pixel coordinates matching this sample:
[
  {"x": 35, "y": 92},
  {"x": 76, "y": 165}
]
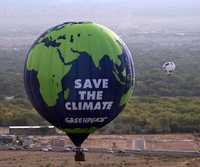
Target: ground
[{"x": 52, "y": 159}]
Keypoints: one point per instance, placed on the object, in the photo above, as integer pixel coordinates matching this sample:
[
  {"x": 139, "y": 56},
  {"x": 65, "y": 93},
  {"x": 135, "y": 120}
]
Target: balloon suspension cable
[{"x": 79, "y": 156}]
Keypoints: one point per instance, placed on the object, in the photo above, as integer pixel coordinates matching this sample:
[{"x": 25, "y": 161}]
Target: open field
[{"x": 52, "y": 159}]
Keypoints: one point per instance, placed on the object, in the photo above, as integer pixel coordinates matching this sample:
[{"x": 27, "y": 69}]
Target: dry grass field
[{"x": 54, "y": 159}]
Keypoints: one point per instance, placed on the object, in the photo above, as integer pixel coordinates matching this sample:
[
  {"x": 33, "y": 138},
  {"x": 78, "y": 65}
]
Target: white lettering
[
  {"x": 77, "y": 83},
  {"x": 97, "y": 83},
  {"x": 74, "y": 106},
  {"x": 87, "y": 84},
  {"x": 91, "y": 95},
  {"x": 97, "y": 106},
  {"x": 85, "y": 120},
  {"x": 99, "y": 95},
  {"x": 87, "y": 106},
  {"x": 67, "y": 106},
  {"x": 105, "y": 83},
  {"x": 105, "y": 105},
  {"x": 82, "y": 94},
  {"x": 91, "y": 83},
  {"x": 109, "y": 106},
  {"x": 80, "y": 104}
]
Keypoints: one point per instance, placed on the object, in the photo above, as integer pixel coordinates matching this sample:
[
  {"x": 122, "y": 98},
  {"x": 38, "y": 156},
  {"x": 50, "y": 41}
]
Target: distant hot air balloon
[
  {"x": 169, "y": 67},
  {"x": 79, "y": 77}
]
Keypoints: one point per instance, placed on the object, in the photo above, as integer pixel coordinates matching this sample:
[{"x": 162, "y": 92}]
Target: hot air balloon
[
  {"x": 79, "y": 77},
  {"x": 169, "y": 67}
]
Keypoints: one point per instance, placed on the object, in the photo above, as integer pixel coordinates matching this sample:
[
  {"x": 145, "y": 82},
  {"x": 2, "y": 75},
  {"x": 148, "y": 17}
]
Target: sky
[
  {"x": 104, "y": 11},
  {"x": 177, "y": 6}
]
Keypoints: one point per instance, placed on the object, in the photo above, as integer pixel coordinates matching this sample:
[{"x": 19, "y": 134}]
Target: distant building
[
  {"x": 6, "y": 139},
  {"x": 9, "y": 98},
  {"x": 32, "y": 130},
  {"x": 139, "y": 144}
]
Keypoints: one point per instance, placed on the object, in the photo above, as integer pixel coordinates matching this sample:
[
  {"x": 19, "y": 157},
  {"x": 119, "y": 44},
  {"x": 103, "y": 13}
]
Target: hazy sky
[
  {"x": 54, "y": 11},
  {"x": 179, "y": 5}
]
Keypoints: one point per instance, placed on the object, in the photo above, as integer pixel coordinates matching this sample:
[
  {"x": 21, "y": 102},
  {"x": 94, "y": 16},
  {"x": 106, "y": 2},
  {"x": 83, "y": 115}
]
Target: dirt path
[{"x": 52, "y": 159}]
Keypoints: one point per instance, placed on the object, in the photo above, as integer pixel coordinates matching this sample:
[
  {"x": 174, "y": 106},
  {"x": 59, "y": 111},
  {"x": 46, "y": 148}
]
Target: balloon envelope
[
  {"x": 79, "y": 77},
  {"x": 169, "y": 67}
]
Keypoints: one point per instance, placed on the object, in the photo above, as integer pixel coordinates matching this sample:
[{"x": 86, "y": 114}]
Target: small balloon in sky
[{"x": 169, "y": 67}]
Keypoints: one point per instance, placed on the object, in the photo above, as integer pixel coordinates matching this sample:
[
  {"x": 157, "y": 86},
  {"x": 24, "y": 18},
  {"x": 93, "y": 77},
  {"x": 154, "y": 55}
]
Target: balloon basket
[{"x": 79, "y": 156}]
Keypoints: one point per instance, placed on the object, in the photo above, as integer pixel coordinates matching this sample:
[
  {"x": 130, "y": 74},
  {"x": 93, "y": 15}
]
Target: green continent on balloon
[
  {"x": 94, "y": 39},
  {"x": 49, "y": 74},
  {"x": 62, "y": 45},
  {"x": 125, "y": 97},
  {"x": 66, "y": 94}
]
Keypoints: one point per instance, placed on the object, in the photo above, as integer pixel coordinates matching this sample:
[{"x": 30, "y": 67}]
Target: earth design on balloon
[{"x": 79, "y": 76}]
